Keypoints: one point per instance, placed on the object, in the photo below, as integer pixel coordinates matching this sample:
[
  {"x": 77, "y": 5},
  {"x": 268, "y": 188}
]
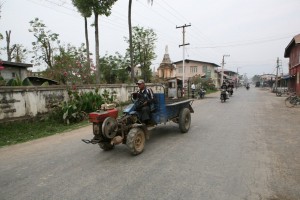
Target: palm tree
[
  {"x": 130, "y": 37},
  {"x": 98, "y": 8},
  {"x": 86, "y": 12}
]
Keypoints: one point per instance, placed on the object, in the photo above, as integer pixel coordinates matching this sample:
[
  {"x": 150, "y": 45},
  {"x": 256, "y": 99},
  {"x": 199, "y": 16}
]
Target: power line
[{"x": 244, "y": 44}]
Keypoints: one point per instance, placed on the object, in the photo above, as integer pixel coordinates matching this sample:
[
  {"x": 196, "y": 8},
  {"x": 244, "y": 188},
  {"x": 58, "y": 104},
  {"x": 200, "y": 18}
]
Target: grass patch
[{"x": 18, "y": 132}]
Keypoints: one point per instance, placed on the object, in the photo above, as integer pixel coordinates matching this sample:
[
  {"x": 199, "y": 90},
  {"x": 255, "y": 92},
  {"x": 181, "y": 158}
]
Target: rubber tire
[
  {"x": 136, "y": 141},
  {"x": 288, "y": 102},
  {"x": 107, "y": 122},
  {"x": 106, "y": 146},
  {"x": 223, "y": 99},
  {"x": 184, "y": 120},
  {"x": 278, "y": 94}
]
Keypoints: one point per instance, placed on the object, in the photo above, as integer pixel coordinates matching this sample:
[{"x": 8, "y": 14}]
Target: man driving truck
[{"x": 147, "y": 98}]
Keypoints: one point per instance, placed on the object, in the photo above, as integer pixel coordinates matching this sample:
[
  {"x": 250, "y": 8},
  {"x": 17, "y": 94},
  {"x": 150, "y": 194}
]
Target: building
[
  {"x": 292, "y": 51},
  {"x": 267, "y": 80},
  {"x": 194, "y": 68},
  {"x": 166, "y": 68},
  {"x": 12, "y": 70},
  {"x": 228, "y": 75}
]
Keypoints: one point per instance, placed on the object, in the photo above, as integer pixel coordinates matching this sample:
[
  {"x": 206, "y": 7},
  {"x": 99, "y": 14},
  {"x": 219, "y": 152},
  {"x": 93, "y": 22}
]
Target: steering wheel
[{"x": 134, "y": 97}]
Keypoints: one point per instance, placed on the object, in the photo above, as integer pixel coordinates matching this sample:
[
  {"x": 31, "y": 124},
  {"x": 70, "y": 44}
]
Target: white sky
[{"x": 253, "y": 32}]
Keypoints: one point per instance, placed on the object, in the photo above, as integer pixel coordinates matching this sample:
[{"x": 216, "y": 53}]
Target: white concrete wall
[{"x": 19, "y": 102}]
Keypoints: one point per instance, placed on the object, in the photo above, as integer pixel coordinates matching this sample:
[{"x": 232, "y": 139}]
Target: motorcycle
[
  {"x": 247, "y": 87},
  {"x": 230, "y": 91},
  {"x": 201, "y": 93},
  {"x": 223, "y": 95}
]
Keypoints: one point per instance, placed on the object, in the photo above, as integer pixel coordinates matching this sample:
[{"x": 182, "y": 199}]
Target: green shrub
[
  {"x": 26, "y": 82},
  {"x": 46, "y": 83},
  {"x": 79, "y": 104},
  {"x": 2, "y": 81}
]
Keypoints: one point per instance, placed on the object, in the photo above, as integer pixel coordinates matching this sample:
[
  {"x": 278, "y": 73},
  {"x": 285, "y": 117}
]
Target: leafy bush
[
  {"x": 79, "y": 104},
  {"x": 2, "y": 81},
  {"x": 26, "y": 82},
  {"x": 46, "y": 83},
  {"x": 208, "y": 84},
  {"x": 18, "y": 82}
]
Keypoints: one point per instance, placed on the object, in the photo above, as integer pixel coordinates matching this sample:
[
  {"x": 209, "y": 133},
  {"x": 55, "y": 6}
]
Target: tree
[
  {"x": 114, "y": 68},
  {"x": 1, "y": 38},
  {"x": 1, "y": 4},
  {"x": 256, "y": 78},
  {"x": 45, "y": 43},
  {"x": 19, "y": 53},
  {"x": 9, "y": 49},
  {"x": 143, "y": 44},
  {"x": 130, "y": 37},
  {"x": 86, "y": 11},
  {"x": 99, "y": 7},
  {"x": 70, "y": 66},
  {"x": 15, "y": 52},
  {"x": 130, "y": 40}
]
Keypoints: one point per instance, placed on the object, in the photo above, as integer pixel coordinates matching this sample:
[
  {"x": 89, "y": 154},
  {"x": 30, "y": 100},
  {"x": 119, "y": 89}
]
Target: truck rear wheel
[
  {"x": 184, "y": 120},
  {"x": 136, "y": 141}
]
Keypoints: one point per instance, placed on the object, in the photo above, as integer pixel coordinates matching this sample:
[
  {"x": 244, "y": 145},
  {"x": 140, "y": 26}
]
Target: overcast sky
[{"x": 253, "y": 32}]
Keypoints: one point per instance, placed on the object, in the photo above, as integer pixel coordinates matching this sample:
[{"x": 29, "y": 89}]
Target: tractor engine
[{"x": 108, "y": 116}]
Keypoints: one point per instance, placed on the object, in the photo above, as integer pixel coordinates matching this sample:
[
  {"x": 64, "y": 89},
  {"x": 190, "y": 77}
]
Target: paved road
[{"x": 247, "y": 148}]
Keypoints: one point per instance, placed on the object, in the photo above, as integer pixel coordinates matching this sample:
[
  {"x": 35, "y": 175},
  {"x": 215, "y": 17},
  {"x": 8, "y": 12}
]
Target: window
[
  {"x": 179, "y": 69},
  {"x": 13, "y": 74},
  {"x": 193, "y": 69},
  {"x": 204, "y": 69}
]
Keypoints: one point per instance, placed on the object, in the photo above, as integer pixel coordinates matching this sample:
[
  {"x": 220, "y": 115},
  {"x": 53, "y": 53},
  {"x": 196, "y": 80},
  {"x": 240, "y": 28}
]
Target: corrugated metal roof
[
  {"x": 188, "y": 60},
  {"x": 15, "y": 64},
  {"x": 294, "y": 41}
]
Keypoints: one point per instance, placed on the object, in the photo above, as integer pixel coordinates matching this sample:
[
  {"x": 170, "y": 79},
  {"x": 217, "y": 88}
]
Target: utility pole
[
  {"x": 222, "y": 72},
  {"x": 277, "y": 68},
  {"x": 183, "y": 52},
  {"x": 237, "y": 77}
]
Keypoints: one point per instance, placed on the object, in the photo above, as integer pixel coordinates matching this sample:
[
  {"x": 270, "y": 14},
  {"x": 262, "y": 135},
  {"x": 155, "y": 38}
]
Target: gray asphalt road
[{"x": 247, "y": 148}]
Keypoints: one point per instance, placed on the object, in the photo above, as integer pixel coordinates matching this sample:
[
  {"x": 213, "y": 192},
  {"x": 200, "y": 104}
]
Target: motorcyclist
[
  {"x": 230, "y": 87},
  {"x": 225, "y": 87},
  {"x": 201, "y": 92},
  {"x": 247, "y": 86},
  {"x": 146, "y": 99}
]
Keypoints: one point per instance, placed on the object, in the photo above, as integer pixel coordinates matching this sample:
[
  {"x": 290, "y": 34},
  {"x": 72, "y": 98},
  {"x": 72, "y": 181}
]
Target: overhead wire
[
  {"x": 245, "y": 43},
  {"x": 106, "y": 22},
  {"x": 169, "y": 14}
]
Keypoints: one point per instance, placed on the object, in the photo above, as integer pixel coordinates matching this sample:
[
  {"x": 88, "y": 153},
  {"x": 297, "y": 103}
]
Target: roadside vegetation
[
  {"x": 71, "y": 65},
  {"x": 66, "y": 116},
  {"x": 18, "y": 132}
]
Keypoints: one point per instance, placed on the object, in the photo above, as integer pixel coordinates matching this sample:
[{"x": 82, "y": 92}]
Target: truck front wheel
[
  {"x": 136, "y": 141},
  {"x": 184, "y": 120}
]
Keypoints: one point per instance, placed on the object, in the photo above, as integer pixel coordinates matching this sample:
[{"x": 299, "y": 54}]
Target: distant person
[
  {"x": 230, "y": 88},
  {"x": 193, "y": 87},
  {"x": 225, "y": 87}
]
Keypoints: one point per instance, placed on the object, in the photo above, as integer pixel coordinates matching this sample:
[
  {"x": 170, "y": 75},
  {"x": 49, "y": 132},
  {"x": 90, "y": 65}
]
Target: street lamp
[{"x": 222, "y": 73}]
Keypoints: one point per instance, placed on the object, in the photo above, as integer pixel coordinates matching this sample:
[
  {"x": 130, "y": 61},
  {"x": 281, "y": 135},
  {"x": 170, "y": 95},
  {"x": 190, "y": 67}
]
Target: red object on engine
[{"x": 100, "y": 116}]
